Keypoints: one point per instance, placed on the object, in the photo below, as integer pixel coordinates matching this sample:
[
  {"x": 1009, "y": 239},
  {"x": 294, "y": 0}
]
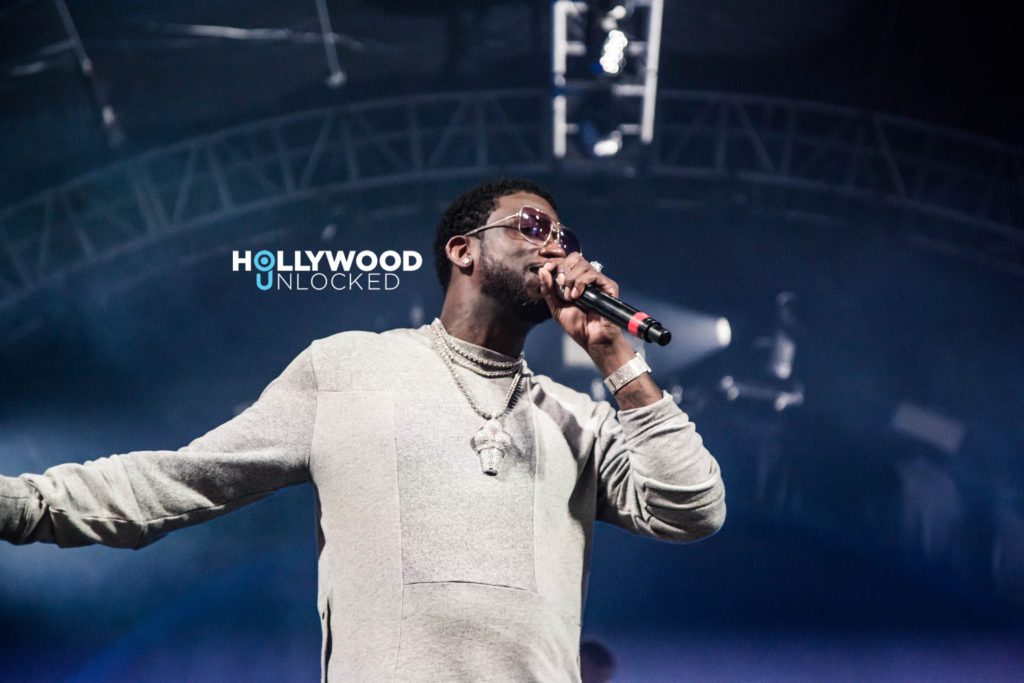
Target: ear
[{"x": 459, "y": 252}]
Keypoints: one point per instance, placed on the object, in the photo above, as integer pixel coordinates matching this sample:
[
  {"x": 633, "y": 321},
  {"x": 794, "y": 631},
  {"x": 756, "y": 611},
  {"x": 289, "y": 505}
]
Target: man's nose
[{"x": 552, "y": 249}]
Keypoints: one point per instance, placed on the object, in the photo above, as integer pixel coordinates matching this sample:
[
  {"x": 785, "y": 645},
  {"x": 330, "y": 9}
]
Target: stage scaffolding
[{"x": 948, "y": 190}]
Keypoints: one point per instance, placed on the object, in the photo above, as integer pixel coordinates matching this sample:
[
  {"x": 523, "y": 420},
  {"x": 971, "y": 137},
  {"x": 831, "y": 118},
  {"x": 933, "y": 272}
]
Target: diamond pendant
[{"x": 491, "y": 443}]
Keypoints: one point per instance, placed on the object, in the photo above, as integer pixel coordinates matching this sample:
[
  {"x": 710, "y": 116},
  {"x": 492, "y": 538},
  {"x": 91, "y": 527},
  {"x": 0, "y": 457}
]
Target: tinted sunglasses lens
[
  {"x": 534, "y": 225},
  {"x": 569, "y": 241}
]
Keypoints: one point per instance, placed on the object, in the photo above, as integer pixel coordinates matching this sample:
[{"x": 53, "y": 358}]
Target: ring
[{"x": 597, "y": 266}]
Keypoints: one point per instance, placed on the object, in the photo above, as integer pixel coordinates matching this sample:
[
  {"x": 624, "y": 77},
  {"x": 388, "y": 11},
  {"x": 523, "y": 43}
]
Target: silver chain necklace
[
  {"x": 491, "y": 442},
  {"x": 500, "y": 368},
  {"x": 502, "y": 365}
]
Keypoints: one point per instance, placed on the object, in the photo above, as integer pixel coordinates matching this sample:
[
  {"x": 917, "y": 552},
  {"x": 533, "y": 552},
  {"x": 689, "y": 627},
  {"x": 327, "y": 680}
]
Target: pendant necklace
[{"x": 491, "y": 442}]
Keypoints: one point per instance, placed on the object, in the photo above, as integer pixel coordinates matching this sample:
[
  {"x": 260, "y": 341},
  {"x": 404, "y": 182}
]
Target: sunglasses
[{"x": 536, "y": 227}]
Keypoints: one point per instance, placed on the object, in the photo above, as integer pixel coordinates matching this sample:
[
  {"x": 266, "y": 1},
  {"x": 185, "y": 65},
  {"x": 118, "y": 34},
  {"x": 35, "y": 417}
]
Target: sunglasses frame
[{"x": 518, "y": 215}]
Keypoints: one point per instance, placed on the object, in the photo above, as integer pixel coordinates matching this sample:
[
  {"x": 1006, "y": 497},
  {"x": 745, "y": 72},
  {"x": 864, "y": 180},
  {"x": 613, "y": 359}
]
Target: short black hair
[{"x": 470, "y": 210}]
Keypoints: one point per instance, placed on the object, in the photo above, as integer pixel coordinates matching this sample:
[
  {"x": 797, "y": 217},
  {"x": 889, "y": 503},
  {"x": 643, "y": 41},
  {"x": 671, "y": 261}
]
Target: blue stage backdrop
[{"x": 829, "y": 216}]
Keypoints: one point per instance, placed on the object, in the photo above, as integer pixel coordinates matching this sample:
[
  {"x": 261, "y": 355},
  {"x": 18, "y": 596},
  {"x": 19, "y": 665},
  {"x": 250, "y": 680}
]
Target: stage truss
[{"x": 951, "y": 191}]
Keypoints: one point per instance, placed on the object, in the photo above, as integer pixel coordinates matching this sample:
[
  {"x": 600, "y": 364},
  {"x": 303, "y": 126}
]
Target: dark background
[{"x": 851, "y": 550}]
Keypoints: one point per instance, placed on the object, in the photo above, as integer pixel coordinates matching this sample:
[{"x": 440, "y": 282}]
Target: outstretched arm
[{"x": 133, "y": 499}]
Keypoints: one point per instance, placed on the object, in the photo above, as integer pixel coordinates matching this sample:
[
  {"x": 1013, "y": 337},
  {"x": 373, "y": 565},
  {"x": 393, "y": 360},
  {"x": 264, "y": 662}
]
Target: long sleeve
[
  {"x": 654, "y": 475},
  {"x": 133, "y": 499}
]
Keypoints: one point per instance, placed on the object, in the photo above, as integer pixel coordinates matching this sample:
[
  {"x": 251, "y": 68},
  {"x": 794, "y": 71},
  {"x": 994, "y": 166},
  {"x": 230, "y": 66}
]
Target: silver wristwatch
[{"x": 633, "y": 368}]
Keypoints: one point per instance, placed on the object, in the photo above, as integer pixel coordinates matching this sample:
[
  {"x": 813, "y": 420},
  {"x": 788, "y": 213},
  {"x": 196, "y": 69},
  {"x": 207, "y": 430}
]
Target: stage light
[
  {"x": 599, "y": 115},
  {"x": 617, "y": 13},
  {"x": 695, "y": 336},
  {"x": 613, "y": 52},
  {"x": 607, "y": 146},
  {"x": 604, "y": 46},
  {"x": 728, "y": 385},
  {"x": 723, "y": 332}
]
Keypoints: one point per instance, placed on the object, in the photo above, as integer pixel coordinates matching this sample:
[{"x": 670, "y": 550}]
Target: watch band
[{"x": 633, "y": 368}]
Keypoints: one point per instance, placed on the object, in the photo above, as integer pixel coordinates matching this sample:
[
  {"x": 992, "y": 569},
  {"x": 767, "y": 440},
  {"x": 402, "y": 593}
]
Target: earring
[{"x": 465, "y": 260}]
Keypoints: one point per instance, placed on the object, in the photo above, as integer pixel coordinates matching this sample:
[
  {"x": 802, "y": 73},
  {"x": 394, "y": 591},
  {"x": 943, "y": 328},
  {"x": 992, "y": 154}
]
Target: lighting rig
[{"x": 604, "y": 69}]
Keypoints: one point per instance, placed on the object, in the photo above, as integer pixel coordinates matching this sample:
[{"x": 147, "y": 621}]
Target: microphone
[{"x": 622, "y": 314}]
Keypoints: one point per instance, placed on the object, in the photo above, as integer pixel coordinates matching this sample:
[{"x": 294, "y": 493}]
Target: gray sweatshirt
[{"x": 428, "y": 568}]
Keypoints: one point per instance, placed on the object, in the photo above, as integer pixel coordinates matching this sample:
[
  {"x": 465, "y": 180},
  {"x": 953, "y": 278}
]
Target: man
[{"x": 456, "y": 490}]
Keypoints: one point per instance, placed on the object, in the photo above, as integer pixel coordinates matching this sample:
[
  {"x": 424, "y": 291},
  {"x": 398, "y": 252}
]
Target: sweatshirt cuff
[{"x": 638, "y": 419}]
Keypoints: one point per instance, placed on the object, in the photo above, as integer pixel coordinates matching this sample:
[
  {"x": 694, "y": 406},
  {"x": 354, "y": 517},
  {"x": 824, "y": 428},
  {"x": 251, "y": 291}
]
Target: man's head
[
  {"x": 485, "y": 262},
  {"x": 487, "y": 255},
  {"x": 471, "y": 210}
]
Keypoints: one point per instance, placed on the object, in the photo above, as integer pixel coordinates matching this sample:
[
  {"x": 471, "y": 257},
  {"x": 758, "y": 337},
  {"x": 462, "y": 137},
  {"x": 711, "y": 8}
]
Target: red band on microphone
[{"x": 634, "y": 322}]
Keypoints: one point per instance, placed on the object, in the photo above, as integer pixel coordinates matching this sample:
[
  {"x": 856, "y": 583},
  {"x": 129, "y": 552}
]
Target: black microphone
[{"x": 625, "y": 316}]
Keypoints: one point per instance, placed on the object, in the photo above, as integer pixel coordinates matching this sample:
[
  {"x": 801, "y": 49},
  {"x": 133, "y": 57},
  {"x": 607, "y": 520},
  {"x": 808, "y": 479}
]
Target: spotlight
[
  {"x": 612, "y": 45},
  {"x": 723, "y": 332},
  {"x": 599, "y": 123},
  {"x": 617, "y": 13},
  {"x": 602, "y": 146},
  {"x": 696, "y": 335},
  {"x": 613, "y": 52}
]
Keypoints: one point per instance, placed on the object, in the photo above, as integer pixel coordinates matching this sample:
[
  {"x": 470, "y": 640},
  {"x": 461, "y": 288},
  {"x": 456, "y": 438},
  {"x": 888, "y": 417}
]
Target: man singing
[{"x": 456, "y": 490}]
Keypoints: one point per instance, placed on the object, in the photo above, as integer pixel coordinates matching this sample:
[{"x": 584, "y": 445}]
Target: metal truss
[
  {"x": 214, "y": 179},
  {"x": 573, "y": 77},
  {"x": 951, "y": 191}
]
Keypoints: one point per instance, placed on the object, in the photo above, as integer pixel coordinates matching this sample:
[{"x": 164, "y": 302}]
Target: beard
[{"x": 508, "y": 289}]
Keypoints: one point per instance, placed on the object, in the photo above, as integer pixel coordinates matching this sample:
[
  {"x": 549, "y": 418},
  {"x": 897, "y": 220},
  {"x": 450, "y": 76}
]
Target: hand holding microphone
[
  {"x": 637, "y": 323},
  {"x": 591, "y": 297}
]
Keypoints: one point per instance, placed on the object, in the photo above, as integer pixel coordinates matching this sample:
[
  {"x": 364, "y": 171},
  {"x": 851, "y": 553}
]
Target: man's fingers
[
  {"x": 547, "y": 276},
  {"x": 547, "y": 285},
  {"x": 578, "y": 274}
]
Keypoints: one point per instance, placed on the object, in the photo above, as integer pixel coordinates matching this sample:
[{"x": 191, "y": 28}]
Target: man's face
[{"x": 509, "y": 263}]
